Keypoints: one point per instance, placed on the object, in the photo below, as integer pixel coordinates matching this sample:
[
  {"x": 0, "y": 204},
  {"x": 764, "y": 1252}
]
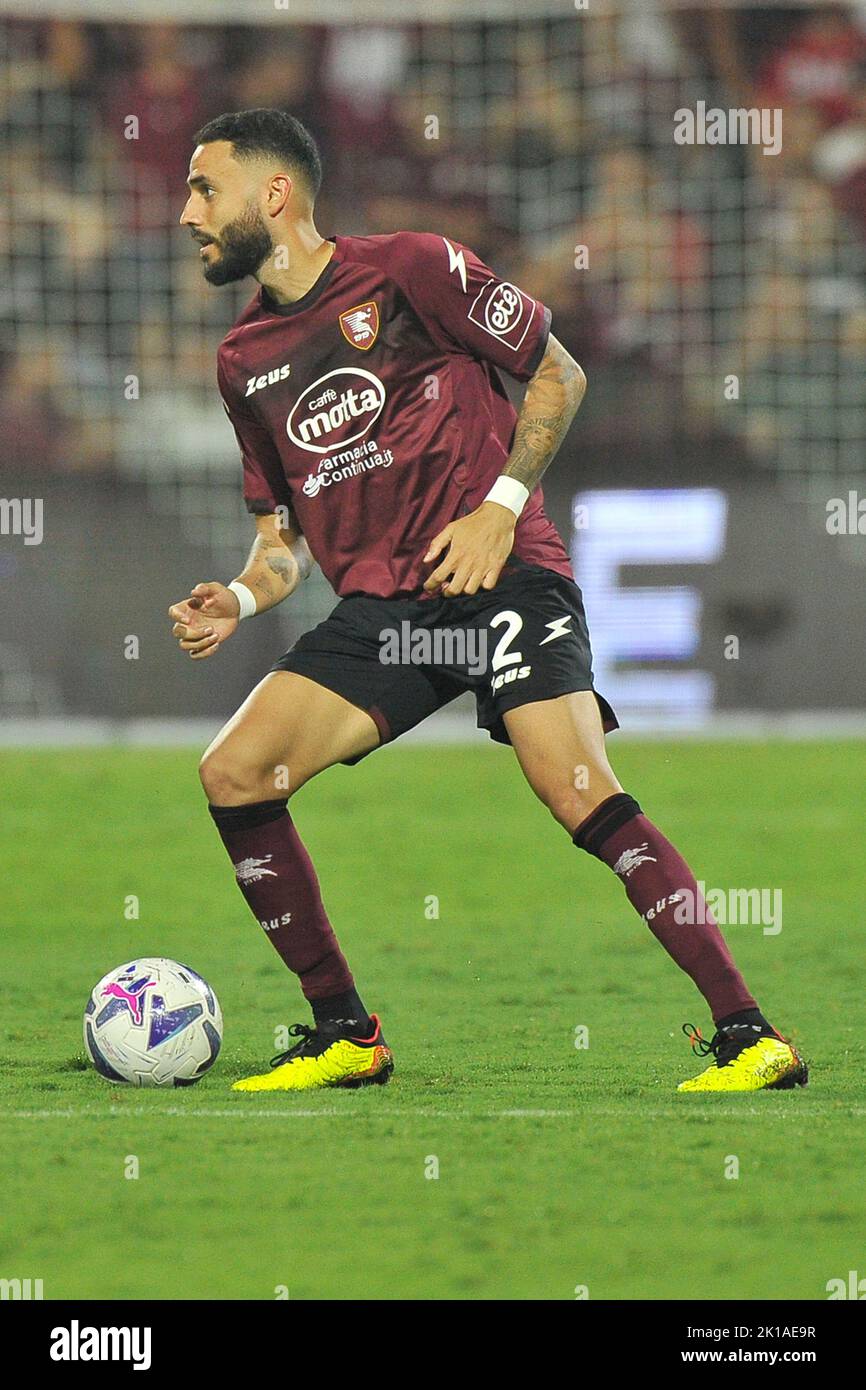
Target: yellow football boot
[
  {"x": 745, "y": 1062},
  {"x": 325, "y": 1057}
]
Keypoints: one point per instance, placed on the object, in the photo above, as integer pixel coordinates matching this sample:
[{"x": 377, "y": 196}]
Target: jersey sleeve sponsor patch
[
  {"x": 466, "y": 305},
  {"x": 504, "y": 311}
]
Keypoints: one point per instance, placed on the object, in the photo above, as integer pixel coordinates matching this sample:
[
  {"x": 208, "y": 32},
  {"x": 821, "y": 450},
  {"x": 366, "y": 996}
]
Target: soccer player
[{"x": 377, "y": 441}]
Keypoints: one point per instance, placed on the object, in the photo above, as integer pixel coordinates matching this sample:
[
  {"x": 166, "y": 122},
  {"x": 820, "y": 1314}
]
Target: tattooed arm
[
  {"x": 278, "y": 561},
  {"x": 478, "y": 545},
  {"x": 549, "y": 406}
]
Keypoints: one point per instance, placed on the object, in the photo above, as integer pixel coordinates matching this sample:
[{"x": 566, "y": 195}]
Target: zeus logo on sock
[
  {"x": 277, "y": 922},
  {"x": 251, "y": 870},
  {"x": 630, "y": 859},
  {"x": 661, "y": 905}
]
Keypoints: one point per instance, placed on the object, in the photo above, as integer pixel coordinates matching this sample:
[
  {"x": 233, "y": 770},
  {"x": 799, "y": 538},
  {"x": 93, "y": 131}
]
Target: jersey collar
[{"x": 317, "y": 288}]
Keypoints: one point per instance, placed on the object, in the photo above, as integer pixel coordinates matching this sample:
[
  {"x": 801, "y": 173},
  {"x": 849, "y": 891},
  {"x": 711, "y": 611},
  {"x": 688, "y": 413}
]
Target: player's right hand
[{"x": 204, "y": 620}]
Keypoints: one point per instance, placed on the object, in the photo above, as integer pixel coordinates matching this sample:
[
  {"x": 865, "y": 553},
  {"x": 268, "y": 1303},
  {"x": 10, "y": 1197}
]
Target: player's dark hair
[{"x": 267, "y": 131}]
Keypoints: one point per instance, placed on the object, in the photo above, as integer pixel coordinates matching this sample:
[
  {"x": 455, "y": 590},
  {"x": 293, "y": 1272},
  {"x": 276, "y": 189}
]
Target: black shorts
[{"x": 403, "y": 659}]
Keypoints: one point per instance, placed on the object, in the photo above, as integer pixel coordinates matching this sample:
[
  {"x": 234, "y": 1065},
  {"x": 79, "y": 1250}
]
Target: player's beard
[{"x": 243, "y": 245}]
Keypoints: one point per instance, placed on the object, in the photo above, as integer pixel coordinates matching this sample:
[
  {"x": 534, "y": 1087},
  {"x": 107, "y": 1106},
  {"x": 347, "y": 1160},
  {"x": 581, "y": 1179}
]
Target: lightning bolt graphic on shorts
[
  {"x": 456, "y": 262},
  {"x": 558, "y": 628}
]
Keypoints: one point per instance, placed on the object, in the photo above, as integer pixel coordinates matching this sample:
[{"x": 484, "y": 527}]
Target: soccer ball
[{"x": 153, "y": 1022}]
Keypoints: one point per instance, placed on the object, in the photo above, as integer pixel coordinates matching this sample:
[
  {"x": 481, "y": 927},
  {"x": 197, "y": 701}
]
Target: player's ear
[{"x": 279, "y": 192}]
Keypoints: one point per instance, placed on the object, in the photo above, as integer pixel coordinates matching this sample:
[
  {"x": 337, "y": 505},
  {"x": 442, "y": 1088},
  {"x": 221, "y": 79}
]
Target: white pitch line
[{"x": 242, "y": 1112}]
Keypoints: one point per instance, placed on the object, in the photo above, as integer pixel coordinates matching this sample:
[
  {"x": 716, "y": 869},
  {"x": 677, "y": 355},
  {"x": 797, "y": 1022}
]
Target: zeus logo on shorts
[
  {"x": 504, "y": 311},
  {"x": 512, "y": 625},
  {"x": 517, "y": 673}
]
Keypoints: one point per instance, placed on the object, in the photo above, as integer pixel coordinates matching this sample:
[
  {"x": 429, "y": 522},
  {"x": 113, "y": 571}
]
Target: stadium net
[{"x": 723, "y": 276}]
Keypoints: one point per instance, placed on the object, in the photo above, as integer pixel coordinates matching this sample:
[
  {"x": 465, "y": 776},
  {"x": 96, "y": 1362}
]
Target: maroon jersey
[{"x": 373, "y": 408}]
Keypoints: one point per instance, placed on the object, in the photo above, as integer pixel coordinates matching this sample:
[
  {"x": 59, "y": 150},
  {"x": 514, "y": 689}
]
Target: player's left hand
[{"x": 477, "y": 547}]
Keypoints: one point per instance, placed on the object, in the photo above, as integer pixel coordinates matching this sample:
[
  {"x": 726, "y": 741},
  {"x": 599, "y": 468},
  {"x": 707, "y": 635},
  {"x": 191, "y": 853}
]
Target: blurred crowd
[{"x": 545, "y": 146}]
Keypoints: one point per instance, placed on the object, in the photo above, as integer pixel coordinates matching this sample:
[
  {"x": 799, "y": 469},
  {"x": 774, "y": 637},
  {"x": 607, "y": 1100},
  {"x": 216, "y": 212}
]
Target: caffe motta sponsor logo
[
  {"x": 337, "y": 410},
  {"x": 77, "y": 1343}
]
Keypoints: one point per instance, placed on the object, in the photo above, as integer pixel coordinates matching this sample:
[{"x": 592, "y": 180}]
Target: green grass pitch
[{"x": 558, "y": 1168}]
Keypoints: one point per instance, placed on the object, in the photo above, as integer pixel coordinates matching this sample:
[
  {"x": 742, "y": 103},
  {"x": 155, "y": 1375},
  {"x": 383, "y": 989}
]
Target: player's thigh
[
  {"x": 288, "y": 729},
  {"x": 560, "y": 746}
]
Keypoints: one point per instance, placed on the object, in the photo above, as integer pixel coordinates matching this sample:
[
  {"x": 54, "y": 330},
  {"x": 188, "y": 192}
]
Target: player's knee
[
  {"x": 570, "y": 805},
  {"x": 229, "y": 781},
  {"x": 565, "y": 805}
]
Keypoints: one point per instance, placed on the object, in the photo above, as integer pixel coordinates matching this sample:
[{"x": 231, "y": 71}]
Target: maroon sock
[
  {"x": 277, "y": 878},
  {"x": 657, "y": 880}
]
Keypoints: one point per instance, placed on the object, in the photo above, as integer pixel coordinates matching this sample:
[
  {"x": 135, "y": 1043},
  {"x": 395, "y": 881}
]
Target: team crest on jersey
[{"x": 360, "y": 326}]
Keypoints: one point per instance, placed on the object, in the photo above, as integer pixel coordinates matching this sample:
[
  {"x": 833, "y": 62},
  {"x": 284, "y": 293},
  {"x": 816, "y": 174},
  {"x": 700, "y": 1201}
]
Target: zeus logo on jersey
[
  {"x": 258, "y": 383},
  {"x": 456, "y": 261},
  {"x": 338, "y": 409},
  {"x": 499, "y": 307}
]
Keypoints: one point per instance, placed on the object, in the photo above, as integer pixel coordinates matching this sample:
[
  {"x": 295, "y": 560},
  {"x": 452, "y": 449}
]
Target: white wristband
[
  {"x": 510, "y": 493},
  {"x": 245, "y": 597}
]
